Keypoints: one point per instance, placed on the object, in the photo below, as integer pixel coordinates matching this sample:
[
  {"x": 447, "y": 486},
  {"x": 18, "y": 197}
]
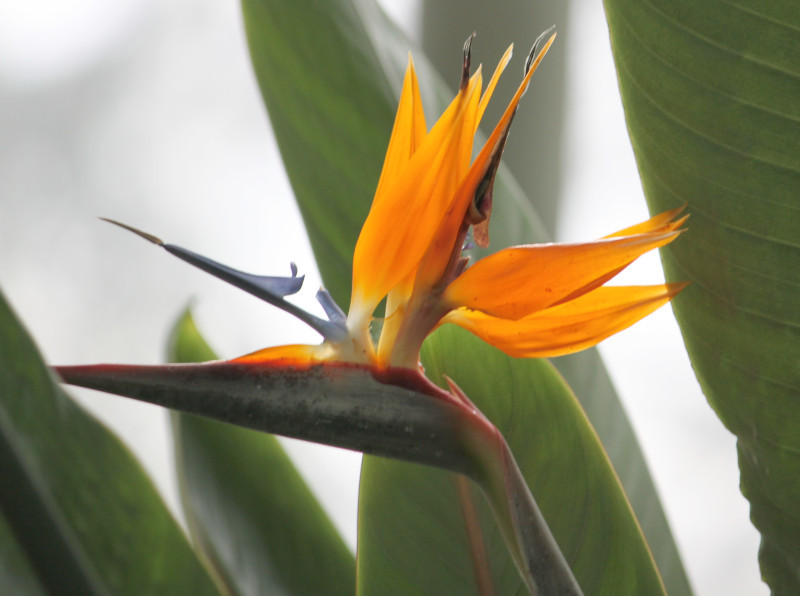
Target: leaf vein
[{"x": 685, "y": 125}]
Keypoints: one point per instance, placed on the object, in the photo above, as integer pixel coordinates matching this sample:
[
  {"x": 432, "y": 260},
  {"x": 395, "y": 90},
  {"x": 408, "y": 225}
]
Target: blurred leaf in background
[
  {"x": 249, "y": 511},
  {"x": 79, "y": 514}
]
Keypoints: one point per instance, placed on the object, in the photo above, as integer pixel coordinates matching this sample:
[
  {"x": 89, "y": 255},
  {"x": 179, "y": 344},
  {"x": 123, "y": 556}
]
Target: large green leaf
[
  {"x": 412, "y": 535},
  {"x": 248, "y": 508},
  {"x": 711, "y": 94},
  {"x": 80, "y": 507},
  {"x": 320, "y": 65}
]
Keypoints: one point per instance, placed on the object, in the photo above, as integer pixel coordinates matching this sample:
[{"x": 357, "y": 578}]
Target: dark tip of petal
[
  {"x": 465, "y": 70},
  {"x": 532, "y": 54},
  {"x": 145, "y": 235}
]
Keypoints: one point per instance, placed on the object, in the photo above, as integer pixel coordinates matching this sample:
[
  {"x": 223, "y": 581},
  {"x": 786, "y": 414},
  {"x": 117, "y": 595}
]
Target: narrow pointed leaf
[
  {"x": 562, "y": 461},
  {"x": 78, "y": 504},
  {"x": 248, "y": 509},
  {"x": 710, "y": 92},
  {"x": 330, "y": 73}
]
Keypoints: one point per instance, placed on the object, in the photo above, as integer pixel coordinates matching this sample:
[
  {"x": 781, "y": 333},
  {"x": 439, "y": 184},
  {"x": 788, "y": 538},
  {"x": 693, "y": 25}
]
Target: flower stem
[{"x": 532, "y": 545}]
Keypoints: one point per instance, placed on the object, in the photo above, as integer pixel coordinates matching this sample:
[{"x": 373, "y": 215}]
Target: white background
[{"x": 148, "y": 112}]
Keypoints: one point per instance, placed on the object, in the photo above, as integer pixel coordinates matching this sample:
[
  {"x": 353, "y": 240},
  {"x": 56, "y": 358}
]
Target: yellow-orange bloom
[{"x": 529, "y": 301}]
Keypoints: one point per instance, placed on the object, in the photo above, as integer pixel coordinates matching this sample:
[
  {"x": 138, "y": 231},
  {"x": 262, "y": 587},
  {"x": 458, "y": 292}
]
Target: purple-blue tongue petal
[{"x": 270, "y": 289}]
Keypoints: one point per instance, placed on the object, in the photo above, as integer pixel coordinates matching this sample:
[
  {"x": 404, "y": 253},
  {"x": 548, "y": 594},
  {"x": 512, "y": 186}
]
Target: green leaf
[
  {"x": 249, "y": 510},
  {"x": 711, "y": 100},
  {"x": 330, "y": 73},
  {"x": 16, "y": 573},
  {"x": 395, "y": 412},
  {"x": 330, "y": 127},
  {"x": 412, "y": 536},
  {"x": 80, "y": 507}
]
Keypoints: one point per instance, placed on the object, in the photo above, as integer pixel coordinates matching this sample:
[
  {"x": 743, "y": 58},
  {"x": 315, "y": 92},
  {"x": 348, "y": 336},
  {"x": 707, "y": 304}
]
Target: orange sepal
[
  {"x": 440, "y": 250},
  {"x": 569, "y": 327},
  {"x": 400, "y": 224},
  {"x": 487, "y": 94},
  {"x": 665, "y": 221},
  {"x": 520, "y": 280},
  {"x": 407, "y": 134},
  {"x": 291, "y": 355}
]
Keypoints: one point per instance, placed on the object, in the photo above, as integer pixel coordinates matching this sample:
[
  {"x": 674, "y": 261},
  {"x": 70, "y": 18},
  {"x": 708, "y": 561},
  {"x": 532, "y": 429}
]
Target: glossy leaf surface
[
  {"x": 249, "y": 510},
  {"x": 79, "y": 505},
  {"x": 318, "y": 65},
  {"x": 711, "y": 100}
]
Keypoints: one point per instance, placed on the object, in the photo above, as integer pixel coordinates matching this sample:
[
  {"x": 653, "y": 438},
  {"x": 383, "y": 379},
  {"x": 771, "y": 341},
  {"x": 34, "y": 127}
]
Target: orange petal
[
  {"x": 408, "y": 132},
  {"x": 569, "y": 327},
  {"x": 289, "y": 355},
  {"x": 487, "y": 94},
  {"x": 401, "y": 224},
  {"x": 662, "y": 220},
  {"x": 439, "y": 254},
  {"x": 520, "y": 280}
]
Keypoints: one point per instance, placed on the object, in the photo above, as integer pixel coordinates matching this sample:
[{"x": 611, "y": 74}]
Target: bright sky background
[{"x": 147, "y": 112}]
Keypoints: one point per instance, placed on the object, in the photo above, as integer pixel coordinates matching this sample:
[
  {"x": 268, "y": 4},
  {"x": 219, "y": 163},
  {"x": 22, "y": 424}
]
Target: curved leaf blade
[
  {"x": 249, "y": 510},
  {"x": 78, "y": 503},
  {"x": 412, "y": 521},
  {"x": 710, "y": 93},
  {"x": 333, "y": 184}
]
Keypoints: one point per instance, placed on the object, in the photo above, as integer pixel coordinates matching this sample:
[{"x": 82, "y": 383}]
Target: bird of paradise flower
[{"x": 531, "y": 301}]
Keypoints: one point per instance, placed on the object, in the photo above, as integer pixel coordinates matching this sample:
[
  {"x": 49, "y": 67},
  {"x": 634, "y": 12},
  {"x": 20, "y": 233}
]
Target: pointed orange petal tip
[
  {"x": 477, "y": 185},
  {"x": 569, "y": 327},
  {"x": 520, "y": 280},
  {"x": 665, "y": 220},
  {"x": 675, "y": 288},
  {"x": 405, "y": 216},
  {"x": 487, "y": 94}
]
